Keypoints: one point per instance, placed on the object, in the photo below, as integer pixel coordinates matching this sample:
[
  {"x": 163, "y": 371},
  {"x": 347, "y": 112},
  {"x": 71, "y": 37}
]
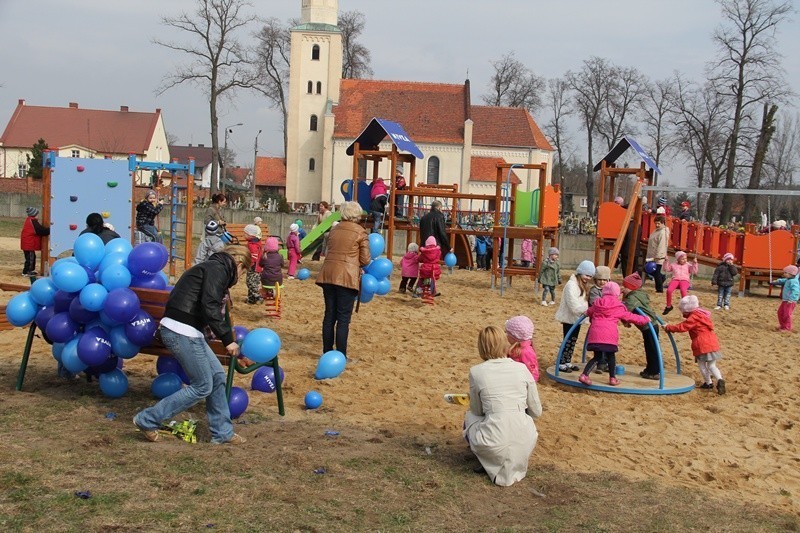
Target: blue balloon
[
  {"x": 121, "y": 305},
  {"x": 94, "y": 347},
  {"x": 163, "y": 275},
  {"x": 43, "y": 291},
  {"x": 450, "y": 259},
  {"x": 114, "y": 384},
  {"x": 384, "y": 287},
  {"x": 650, "y": 267},
  {"x": 166, "y": 384},
  {"x": 62, "y": 300},
  {"x": 114, "y": 258},
  {"x": 106, "y": 366},
  {"x": 118, "y": 245},
  {"x": 43, "y": 317},
  {"x": 61, "y": 328},
  {"x": 69, "y": 357},
  {"x": 121, "y": 346},
  {"x": 369, "y": 284},
  {"x": 147, "y": 259},
  {"x": 89, "y": 250},
  {"x": 115, "y": 277},
  {"x": 264, "y": 379},
  {"x": 330, "y": 365},
  {"x": 93, "y": 296},
  {"x": 376, "y": 245},
  {"x": 57, "y": 350},
  {"x": 261, "y": 345},
  {"x": 303, "y": 273},
  {"x": 80, "y": 314},
  {"x": 381, "y": 268},
  {"x": 141, "y": 329},
  {"x": 150, "y": 282},
  {"x": 92, "y": 274},
  {"x": 70, "y": 277},
  {"x": 240, "y": 332},
  {"x": 313, "y": 399},
  {"x": 238, "y": 401},
  {"x": 58, "y": 263},
  {"x": 21, "y": 309},
  {"x": 366, "y": 297},
  {"x": 170, "y": 364}
]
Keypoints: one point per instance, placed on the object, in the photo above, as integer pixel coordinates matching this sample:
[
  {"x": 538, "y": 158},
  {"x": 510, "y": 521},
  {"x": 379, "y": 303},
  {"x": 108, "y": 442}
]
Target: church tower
[{"x": 314, "y": 79}]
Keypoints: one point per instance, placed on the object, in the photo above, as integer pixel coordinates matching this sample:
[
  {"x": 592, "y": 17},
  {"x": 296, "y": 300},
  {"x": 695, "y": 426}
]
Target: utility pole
[
  {"x": 255, "y": 161},
  {"x": 224, "y": 167}
]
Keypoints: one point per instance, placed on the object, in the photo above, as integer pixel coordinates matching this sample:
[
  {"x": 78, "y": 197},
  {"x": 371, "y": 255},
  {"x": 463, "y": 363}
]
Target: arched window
[
  {"x": 315, "y": 53},
  {"x": 433, "y": 171},
  {"x": 313, "y": 125},
  {"x": 319, "y": 87},
  {"x": 310, "y": 86},
  {"x": 312, "y": 164}
]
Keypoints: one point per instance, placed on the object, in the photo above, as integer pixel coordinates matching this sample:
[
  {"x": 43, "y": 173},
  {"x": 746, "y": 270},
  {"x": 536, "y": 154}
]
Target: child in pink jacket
[
  {"x": 409, "y": 268},
  {"x": 527, "y": 252},
  {"x": 429, "y": 270},
  {"x": 519, "y": 332},
  {"x": 682, "y": 272},
  {"x": 293, "y": 251},
  {"x": 603, "y": 335}
]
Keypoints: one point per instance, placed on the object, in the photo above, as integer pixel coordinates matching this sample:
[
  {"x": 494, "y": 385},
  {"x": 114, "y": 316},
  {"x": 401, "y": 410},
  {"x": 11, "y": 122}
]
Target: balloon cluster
[
  {"x": 375, "y": 280},
  {"x": 87, "y": 310}
]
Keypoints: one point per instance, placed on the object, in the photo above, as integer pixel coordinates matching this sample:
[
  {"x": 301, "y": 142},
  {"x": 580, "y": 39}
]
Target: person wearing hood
[
  {"x": 30, "y": 240},
  {"x": 705, "y": 344},
  {"x": 211, "y": 244},
  {"x": 198, "y": 301},
  {"x": 95, "y": 224}
]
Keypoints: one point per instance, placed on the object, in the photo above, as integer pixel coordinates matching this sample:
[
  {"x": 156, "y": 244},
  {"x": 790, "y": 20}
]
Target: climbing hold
[
  {"x": 112, "y": 184},
  {"x": 73, "y": 227},
  {"x": 73, "y": 198},
  {"x": 105, "y": 214},
  {"x": 81, "y": 168}
]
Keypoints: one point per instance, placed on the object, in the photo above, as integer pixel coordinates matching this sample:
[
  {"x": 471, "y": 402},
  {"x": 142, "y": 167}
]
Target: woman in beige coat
[{"x": 503, "y": 401}]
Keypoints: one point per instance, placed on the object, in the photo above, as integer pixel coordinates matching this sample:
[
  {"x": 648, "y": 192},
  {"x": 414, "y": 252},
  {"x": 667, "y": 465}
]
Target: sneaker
[
  {"x": 565, "y": 368},
  {"x": 552, "y": 303},
  {"x": 613, "y": 382},
  {"x": 291, "y": 277},
  {"x": 717, "y": 307},
  {"x": 574, "y": 367},
  {"x": 236, "y": 439},
  {"x": 149, "y": 434},
  {"x": 706, "y": 386},
  {"x": 720, "y": 386},
  {"x": 727, "y": 307},
  {"x": 667, "y": 309},
  {"x": 583, "y": 378},
  {"x": 543, "y": 302}
]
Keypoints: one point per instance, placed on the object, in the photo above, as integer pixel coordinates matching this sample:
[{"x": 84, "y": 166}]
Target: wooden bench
[{"x": 237, "y": 230}]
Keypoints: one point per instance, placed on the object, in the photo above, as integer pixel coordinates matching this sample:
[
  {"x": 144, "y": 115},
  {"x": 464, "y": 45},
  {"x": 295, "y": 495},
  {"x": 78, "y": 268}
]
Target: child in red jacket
[
  {"x": 429, "y": 270},
  {"x": 30, "y": 240},
  {"x": 705, "y": 344},
  {"x": 603, "y": 335},
  {"x": 253, "y": 278}
]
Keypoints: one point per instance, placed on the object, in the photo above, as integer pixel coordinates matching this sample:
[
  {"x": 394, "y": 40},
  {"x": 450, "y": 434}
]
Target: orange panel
[
  {"x": 757, "y": 250},
  {"x": 609, "y": 220},
  {"x": 548, "y": 218}
]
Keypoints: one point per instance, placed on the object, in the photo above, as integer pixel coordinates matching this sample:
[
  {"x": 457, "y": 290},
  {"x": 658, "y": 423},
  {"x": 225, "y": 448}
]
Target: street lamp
[
  {"x": 228, "y": 130},
  {"x": 255, "y": 161}
]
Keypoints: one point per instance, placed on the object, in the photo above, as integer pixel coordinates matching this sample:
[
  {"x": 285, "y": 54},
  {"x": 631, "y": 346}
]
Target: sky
[{"x": 100, "y": 53}]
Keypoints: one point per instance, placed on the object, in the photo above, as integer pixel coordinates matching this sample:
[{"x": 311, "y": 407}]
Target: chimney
[
  {"x": 190, "y": 145},
  {"x": 123, "y": 108},
  {"x": 21, "y": 101},
  {"x": 73, "y": 105},
  {"x": 200, "y": 145}
]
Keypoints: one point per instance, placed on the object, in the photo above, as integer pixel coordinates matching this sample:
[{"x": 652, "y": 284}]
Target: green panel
[
  {"x": 312, "y": 238},
  {"x": 526, "y": 210}
]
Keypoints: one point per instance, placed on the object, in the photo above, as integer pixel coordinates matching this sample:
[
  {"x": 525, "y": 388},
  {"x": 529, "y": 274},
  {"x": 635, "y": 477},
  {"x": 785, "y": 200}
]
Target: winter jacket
[
  {"x": 146, "y": 213},
  {"x": 429, "y": 258},
  {"x": 348, "y": 251},
  {"x": 595, "y": 293},
  {"x": 30, "y": 238},
  {"x": 210, "y": 245},
  {"x": 681, "y": 272},
  {"x": 293, "y": 243},
  {"x": 432, "y": 223},
  {"x": 271, "y": 264},
  {"x": 378, "y": 204},
  {"x": 791, "y": 288},
  {"x": 213, "y": 212},
  {"x": 701, "y": 331},
  {"x": 724, "y": 274},
  {"x": 640, "y": 299},
  {"x": 409, "y": 265},
  {"x": 657, "y": 245},
  {"x": 481, "y": 245},
  {"x": 550, "y": 273},
  {"x": 526, "y": 355},
  {"x": 378, "y": 188},
  {"x": 527, "y": 250},
  {"x": 198, "y": 296},
  {"x": 573, "y": 304},
  {"x": 256, "y": 251},
  {"x": 605, "y": 315}
]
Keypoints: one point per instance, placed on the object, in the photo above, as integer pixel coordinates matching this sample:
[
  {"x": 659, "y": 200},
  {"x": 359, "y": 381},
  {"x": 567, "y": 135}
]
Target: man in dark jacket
[{"x": 432, "y": 224}]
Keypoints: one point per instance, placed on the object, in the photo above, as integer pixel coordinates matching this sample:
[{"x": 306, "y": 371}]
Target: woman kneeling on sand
[{"x": 503, "y": 403}]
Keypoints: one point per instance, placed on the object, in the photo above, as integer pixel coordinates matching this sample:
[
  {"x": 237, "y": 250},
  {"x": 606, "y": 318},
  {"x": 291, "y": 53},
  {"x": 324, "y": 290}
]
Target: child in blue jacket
[{"x": 789, "y": 296}]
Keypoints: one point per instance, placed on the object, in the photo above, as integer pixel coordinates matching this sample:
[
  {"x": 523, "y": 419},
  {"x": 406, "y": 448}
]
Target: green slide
[
  {"x": 526, "y": 208},
  {"x": 314, "y": 237}
]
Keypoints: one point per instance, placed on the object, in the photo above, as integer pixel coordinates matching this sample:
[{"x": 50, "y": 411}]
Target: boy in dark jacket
[
  {"x": 30, "y": 240},
  {"x": 635, "y": 297},
  {"x": 723, "y": 279}
]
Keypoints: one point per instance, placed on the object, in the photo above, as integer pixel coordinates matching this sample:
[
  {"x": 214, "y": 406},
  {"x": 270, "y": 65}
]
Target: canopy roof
[
  {"x": 621, "y": 147},
  {"x": 377, "y": 130}
]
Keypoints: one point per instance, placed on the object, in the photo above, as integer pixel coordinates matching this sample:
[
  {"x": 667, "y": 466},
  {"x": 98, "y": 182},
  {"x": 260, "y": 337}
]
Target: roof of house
[
  {"x": 433, "y": 113},
  {"x": 105, "y": 132},
  {"x": 270, "y": 172},
  {"x": 485, "y": 169},
  {"x": 238, "y": 174},
  {"x": 201, "y": 154}
]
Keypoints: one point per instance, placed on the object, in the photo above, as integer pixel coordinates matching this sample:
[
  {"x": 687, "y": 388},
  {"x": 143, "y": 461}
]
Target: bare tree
[
  {"x": 655, "y": 110},
  {"x": 356, "y": 56},
  {"x": 514, "y": 85},
  {"x": 764, "y": 138},
  {"x": 218, "y": 61},
  {"x": 626, "y": 85},
  {"x": 590, "y": 87},
  {"x": 747, "y": 69},
  {"x": 172, "y": 139},
  {"x": 782, "y": 164},
  {"x": 272, "y": 52},
  {"x": 557, "y": 103}
]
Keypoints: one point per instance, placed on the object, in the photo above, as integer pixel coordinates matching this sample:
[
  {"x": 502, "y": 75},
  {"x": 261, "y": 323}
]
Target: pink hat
[
  {"x": 271, "y": 245},
  {"x": 520, "y": 327},
  {"x": 611, "y": 288},
  {"x": 688, "y": 303},
  {"x": 791, "y": 270},
  {"x": 728, "y": 256},
  {"x": 619, "y": 200},
  {"x": 678, "y": 255},
  {"x": 430, "y": 242},
  {"x": 632, "y": 282}
]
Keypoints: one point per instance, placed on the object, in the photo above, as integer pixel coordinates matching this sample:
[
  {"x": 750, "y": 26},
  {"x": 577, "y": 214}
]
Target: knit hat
[
  {"x": 552, "y": 251},
  {"x": 413, "y": 247},
  {"x": 611, "y": 288},
  {"x": 150, "y": 193},
  {"x": 779, "y": 224},
  {"x": 662, "y": 200},
  {"x": 212, "y": 227},
  {"x": 632, "y": 282},
  {"x": 430, "y": 242},
  {"x": 619, "y": 200},
  {"x": 679, "y": 254},
  {"x": 258, "y": 220},
  {"x": 688, "y": 303},
  {"x": 602, "y": 272},
  {"x": 271, "y": 245},
  {"x": 791, "y": 270},
  {"x": 294, "y": 228},
  {"x": 520, "y": 327},
  {"x": 32, "y": 212},
  {"x": 251, "y": 230},
  {"x": 728, "y": 256},
  {"x": 585, "y": 268},
  {"x": 686, "y": 204}
]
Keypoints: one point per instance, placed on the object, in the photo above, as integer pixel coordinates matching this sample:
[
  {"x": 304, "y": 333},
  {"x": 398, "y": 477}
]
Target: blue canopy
[
  {"x": 619, "y": 149},
  {"x": 377, "y": 130}
]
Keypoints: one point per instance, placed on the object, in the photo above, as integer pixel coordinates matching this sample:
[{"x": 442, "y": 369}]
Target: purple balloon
[
  {"x": 241, "y": 333},
  {"x": 106, "y": 366},
  {"x": 170, "y": 364},
  {"x": 141, "y": 329},
  {"x": 149, "y": 282},
  {"x": 238, "y": 402},
  {"x": 122, "y": 305},
  {"x": 80, "y": 314},
  {"x": 264, "y": 379},
  {"x": 147, "y": 259},
  {"x": 166, "y": 384},
  {"x": 62, "y": 299},
  {"x": 94, "y": 347},
  {"x": 61, "y": 328},
  {"x": 43, "y": 317},
  {"x": 91, "y": 274}
]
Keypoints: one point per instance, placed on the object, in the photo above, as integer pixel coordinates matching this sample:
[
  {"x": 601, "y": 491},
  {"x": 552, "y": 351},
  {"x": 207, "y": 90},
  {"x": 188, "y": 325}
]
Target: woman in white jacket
[
  {"x": 503, "y": 401},
  {"x": 574, "y": 302}
]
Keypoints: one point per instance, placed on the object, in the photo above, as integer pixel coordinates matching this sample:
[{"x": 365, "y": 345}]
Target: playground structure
[
  {"x": 273, "y": 301},
  {"x": 508, "y": 214},
  {"x": 625, "y": 230}
]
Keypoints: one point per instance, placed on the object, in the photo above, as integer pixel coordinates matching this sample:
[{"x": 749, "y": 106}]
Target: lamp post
[
  {"x": 228, "y": 130},
  {"x": 255, "y": 161}
]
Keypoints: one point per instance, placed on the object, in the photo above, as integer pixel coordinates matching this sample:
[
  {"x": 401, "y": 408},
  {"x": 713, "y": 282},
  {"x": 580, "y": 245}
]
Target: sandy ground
[{"x": 407, "y": 354}]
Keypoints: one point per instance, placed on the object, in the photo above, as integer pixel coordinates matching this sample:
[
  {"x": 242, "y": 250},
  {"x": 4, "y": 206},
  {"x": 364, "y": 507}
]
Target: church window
[
  {"x": 313, "y": 124},
  {"x": 319, "y": 87},
  {"x": 310, "y": 86},
  {"x": 315, "y": 53},
  {"x": 312, "y": 165},
  {"x": 433, "y": 171}
]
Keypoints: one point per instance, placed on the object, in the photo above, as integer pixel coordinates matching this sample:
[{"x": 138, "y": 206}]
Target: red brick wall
[{"x": 23, "y": 185}]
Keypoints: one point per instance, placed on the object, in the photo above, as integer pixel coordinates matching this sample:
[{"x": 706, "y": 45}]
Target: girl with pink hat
[
  {"x": 723, "y": 279},
  {"x": 519, "y": 331},
  {"x": 682, "y": 272},
  {"x": 789, "y": 296}
]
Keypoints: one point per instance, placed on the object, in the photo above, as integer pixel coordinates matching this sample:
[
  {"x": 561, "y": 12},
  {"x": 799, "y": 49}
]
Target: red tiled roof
[
  {"x": 485, "y": 169},
  {"x": 428, "y": 112},
  {"x": 238, "y": 174},
  {"x": 270, "y": 172},
  {"x": 506, "y": 126},
  {"x": 105, "y": 132},
  {"x": 201, "y": 154}
]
